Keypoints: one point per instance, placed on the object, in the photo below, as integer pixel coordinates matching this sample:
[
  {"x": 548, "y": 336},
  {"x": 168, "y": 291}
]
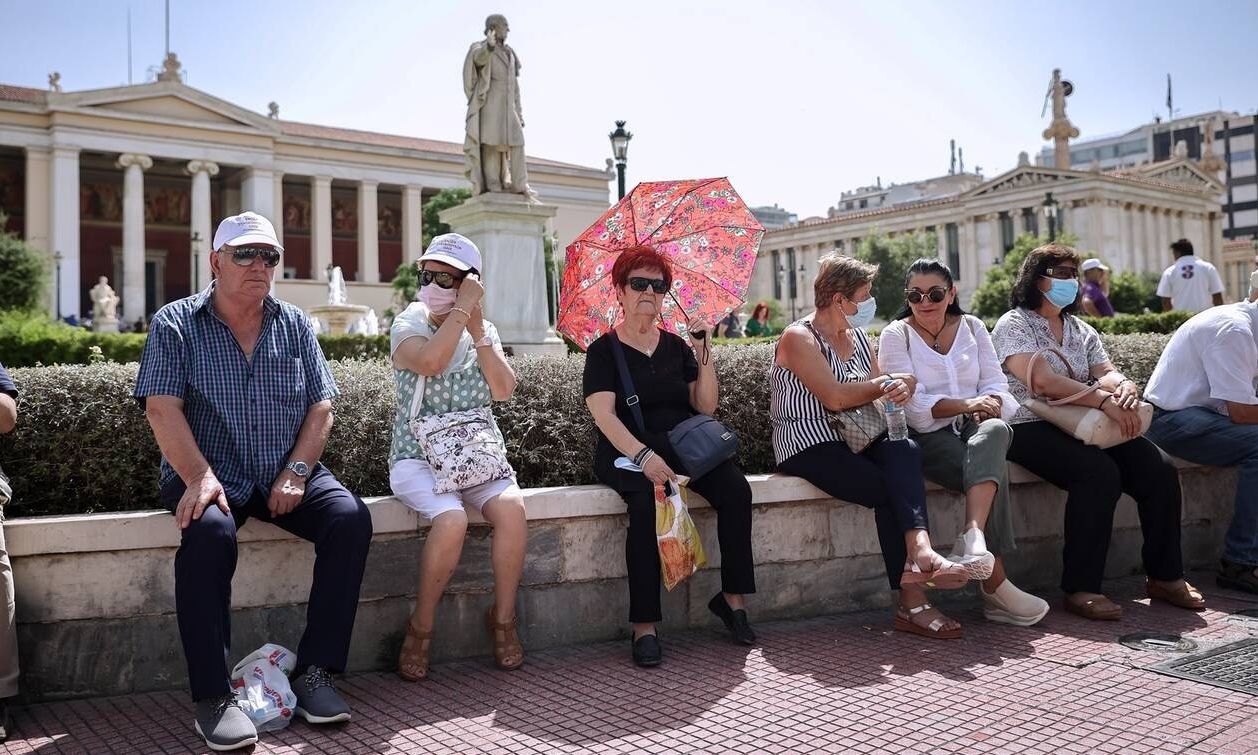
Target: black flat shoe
[
  {"x": 1236, "y": 576},
  {"x": 735, "y": 621},
  {"x": 647, "y": 651}
]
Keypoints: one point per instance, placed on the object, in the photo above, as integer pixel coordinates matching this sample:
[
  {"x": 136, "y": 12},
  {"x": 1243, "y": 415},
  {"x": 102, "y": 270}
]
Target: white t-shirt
[
  {"x": 1190, "y": 284},
  {"x": 1211, "y": 359}
]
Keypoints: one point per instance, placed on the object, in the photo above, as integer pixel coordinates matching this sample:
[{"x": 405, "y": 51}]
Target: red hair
[{"x": 637, "y": 257}]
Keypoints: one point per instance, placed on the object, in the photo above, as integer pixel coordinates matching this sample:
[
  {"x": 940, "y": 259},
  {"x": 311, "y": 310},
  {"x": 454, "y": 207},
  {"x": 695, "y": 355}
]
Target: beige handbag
[{"x": 1092, "y": 426}]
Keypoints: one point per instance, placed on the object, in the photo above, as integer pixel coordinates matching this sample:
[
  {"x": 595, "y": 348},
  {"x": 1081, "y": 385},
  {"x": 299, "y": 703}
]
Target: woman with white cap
[{"x": 447, "y": 451}]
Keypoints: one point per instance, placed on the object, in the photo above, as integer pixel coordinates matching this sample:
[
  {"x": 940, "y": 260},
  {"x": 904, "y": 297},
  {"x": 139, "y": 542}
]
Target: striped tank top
[{"x": 799, "y": 418}]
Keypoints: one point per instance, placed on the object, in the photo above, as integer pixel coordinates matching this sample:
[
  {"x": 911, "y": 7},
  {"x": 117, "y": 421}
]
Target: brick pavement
[{"x": 833, "y": 684}]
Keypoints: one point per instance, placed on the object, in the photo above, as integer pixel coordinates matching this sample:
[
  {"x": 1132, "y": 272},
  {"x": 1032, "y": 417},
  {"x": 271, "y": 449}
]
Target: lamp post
[
  {"x": 196, "y": 252},
  {"x": 620, "y": 150},
  {"x": 57, "y": 258},
  {"x": 1050, "y": 212}
]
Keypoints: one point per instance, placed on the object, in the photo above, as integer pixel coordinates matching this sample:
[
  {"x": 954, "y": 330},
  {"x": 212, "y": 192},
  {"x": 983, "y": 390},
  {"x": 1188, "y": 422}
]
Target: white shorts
[{"x": 412, "y": 482}]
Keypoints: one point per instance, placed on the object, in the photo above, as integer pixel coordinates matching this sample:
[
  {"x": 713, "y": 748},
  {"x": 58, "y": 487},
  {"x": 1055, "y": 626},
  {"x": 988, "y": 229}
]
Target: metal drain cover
[
  {"x": 1233, "y": 666},
  {"x": 1158, "y": 643}
]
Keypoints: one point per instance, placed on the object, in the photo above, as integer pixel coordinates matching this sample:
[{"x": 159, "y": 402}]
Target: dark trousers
[
  {"x": 886, "y": 477},
  {"x": 1094, "y": 479},
  {"x": 329, "y": 516},
  {"x": 725, "y": 488}
]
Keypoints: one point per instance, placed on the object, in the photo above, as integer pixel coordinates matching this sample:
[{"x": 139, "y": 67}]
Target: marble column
[
  {"x": 202, "y": 224},
  {"x": 277, "y": 201},
  {"x": 1152, "y": 240},
  {"x": 132, "y": 306},
  {"x": 63, "y": 225},
  {"x": 1168, "y": 232},
  {"x": 320, "y": 226},
  {"x": 257, "y": 193},
  {"x": 38, "y": 191},
  {"x": 368, "y": 233},
  {"x": 412, "y": 222}
]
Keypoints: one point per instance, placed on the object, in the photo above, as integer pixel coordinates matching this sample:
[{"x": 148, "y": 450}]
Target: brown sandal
[
  {"x": 412, "y": 662},
  {"x": 1096, "y": 609},
  {"x": 1186, "y": 596},
  {"x": 508, "y": 652},
  {"x": 904, "y": 622}
]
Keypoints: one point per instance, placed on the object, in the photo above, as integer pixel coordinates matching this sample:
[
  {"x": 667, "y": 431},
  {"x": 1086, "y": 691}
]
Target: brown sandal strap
[
  {"x": 509, "y": 647},
  {"x": 417, "y": 655}
]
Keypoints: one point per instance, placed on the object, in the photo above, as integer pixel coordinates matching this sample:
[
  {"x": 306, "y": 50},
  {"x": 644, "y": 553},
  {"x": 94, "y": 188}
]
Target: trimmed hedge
[
  {"x": 30, "y": 339},
  {"x": 82, "y": 444}
]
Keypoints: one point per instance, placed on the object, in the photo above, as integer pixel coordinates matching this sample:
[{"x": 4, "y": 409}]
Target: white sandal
[{"x": 970, "y": 551}]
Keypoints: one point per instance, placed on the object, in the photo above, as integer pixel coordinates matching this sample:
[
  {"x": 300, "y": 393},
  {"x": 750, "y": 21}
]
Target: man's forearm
[
  {"x": 8, "y": 413},
  {"x": 313, "y": 436},
  {"x": 174, "y": 438}
]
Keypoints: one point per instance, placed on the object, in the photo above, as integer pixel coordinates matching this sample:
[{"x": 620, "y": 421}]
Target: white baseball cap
[
  {"x": 245, "y": 228},
  {"x": 1093, "y": 264},
  {"x": 455, "y": 250}
]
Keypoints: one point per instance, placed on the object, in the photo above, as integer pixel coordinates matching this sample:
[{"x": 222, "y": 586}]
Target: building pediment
[
  {"x": 166, "y": 101},
  {"x": 1181, "y": 171},
  {"x": 1023, "y": 177}
]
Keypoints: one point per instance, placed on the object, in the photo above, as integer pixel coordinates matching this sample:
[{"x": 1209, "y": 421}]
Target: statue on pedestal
[
  {"x": 493, "y": 144},
  {"x": 104, "y": 307},
  {"x": 1061, "y": 130}
]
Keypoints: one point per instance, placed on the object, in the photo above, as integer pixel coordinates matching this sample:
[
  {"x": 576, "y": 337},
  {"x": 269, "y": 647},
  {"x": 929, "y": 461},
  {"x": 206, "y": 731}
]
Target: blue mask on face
[
  {"x": 1063, "y": 293},
  {"x": 864, "y": 313}
]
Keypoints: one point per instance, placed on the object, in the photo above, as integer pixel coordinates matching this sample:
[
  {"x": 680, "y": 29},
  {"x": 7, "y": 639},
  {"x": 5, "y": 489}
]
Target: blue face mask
[
  {"x": 864, "y": 313},
  {"x": 1063, "y": 293}
]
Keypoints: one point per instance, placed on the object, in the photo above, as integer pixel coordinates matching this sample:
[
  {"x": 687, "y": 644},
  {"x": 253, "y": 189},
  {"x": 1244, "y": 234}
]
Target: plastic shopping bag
[
  {"x": 260, "y": 682},
  {"x": 681, "y": 550}
]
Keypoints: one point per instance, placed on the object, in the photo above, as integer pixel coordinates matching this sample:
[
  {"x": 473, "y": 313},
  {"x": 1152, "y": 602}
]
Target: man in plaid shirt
[{"x": 239, "y": 395}]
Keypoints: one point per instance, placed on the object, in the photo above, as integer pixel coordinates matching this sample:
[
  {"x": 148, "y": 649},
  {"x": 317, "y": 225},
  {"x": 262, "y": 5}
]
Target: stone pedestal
[{"x": 509, "y": 230}]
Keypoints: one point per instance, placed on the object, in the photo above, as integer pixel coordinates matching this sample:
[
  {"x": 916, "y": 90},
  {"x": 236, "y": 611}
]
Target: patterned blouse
[{"x": 1022, "y": 331}]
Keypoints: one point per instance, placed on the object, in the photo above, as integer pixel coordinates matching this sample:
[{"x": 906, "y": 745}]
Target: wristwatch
[{"x": 299, "y": 468}]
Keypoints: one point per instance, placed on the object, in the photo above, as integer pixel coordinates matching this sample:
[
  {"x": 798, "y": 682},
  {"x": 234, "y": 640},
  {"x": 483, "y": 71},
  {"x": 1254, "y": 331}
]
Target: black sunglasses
[
  {"x": 658, "y": 285},
  {"x": 443, "y": 280},
  {"x": 1062, "y": 272},
  {"x": 245, "y": 255},
  {"x": 936, "y": 294}
]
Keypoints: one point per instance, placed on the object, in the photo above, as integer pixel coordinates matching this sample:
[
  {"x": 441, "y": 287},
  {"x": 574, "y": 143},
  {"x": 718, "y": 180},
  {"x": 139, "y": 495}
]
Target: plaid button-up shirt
[{"x": 244, "y": 413}]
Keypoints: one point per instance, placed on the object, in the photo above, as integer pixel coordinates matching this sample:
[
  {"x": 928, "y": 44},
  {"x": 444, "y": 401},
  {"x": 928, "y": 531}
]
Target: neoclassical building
[
  {"x": 1128, "y": 218},
  {"x": 129, "y": 182}
]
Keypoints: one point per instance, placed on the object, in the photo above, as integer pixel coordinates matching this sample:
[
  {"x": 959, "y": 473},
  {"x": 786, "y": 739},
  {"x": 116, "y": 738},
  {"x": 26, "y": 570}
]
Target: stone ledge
[{"x": 135, "y": 530}]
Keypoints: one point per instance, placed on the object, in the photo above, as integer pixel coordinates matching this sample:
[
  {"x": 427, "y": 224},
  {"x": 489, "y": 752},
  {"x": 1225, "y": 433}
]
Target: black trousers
[
  {"x": 886, "y": 477},
  {"x": 329, "y": 516},
  {"x": 1094, "y": 479},
  {"x": 725, "y": 488}
]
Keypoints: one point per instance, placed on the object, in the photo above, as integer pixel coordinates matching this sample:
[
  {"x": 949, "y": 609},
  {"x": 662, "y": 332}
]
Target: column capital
[
  {"x": 369, "y": 183},
  {"x": 413, "y": 187},
  {"x": 128, "y": 159},
  {"x": 66, "y": 150},
  {"x": 321, "y": 180},
  {"x": 202, "y": 166}
]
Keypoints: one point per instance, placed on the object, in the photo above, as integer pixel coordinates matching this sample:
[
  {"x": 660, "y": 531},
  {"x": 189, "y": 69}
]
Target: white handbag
[
  {"x": 463, "y": 448},
  {"x": 1092, "y": 426}
]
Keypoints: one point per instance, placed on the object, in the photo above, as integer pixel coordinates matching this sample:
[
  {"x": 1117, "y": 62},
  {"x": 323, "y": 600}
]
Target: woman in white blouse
[{"x": 959, "y": 419}]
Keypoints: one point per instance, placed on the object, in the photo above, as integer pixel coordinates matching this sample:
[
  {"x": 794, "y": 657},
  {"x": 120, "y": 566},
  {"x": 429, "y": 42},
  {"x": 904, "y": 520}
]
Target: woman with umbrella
[{"x": 673, "y": 381}]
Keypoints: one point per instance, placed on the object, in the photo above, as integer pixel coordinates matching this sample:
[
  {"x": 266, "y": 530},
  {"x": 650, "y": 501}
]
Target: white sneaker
[
  {"x": 970, "y": 550},
  {"x": 1009, "y": 605}
]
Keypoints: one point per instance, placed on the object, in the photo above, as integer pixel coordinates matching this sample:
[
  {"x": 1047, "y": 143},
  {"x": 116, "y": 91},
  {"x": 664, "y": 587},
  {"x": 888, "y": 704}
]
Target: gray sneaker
[
  {"x": 223, "y": 725},
  {"x": 317, "y": 700}
]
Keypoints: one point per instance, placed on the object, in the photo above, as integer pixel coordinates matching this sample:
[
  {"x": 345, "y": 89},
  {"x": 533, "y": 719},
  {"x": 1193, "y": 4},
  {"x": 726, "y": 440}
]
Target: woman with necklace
[
  {"x": 824, "y": 364},
  {"x": 959, "y": 417},
  {"x": 672, "y": 385}
]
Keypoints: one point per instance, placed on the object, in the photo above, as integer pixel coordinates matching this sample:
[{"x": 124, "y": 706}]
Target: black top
[
  {"x": 662, "y": 381},
  {"x": 6, "y": 383}
]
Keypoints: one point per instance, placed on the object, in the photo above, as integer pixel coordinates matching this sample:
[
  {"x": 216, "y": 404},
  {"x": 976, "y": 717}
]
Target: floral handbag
[{"x": 464, "y": 448}]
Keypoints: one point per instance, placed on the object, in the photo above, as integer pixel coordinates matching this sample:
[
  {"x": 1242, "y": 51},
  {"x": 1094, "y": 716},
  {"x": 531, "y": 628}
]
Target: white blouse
[{"x": 968, "y": 370}]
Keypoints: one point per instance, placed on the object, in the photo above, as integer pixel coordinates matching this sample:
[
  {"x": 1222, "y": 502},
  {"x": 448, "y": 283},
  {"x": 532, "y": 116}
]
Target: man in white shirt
[
  {"x": 1191, "y": 284},
  {"x": 1205, "y": 390}
]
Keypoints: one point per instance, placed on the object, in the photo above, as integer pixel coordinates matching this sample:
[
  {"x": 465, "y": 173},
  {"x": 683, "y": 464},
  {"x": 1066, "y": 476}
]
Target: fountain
[{"x": 338, "y": 315}]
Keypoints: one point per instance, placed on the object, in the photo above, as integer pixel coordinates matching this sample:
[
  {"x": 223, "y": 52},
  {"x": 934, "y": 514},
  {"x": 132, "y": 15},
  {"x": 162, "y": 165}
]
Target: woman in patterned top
[
  {"x": 444, "y": 338},
  {"x": 1044, "y": 300}
]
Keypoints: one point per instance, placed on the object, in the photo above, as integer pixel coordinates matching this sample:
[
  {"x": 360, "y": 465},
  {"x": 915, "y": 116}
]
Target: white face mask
[{"x": 440, "y": 301}]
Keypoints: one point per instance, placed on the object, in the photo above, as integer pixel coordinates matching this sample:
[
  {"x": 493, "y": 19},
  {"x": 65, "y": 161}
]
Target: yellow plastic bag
[{"x": 681, "y": 550}]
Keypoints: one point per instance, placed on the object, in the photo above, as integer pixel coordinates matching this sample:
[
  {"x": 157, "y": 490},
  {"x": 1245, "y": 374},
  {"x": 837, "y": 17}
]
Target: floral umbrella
[{"x": 701, "y": 225}]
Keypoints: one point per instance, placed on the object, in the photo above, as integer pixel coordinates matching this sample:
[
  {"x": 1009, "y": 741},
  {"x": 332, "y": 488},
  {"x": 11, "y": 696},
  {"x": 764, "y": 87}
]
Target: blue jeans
[{"x": 1205, "y": 437}]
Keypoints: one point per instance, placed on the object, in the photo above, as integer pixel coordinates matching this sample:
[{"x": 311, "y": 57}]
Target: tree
[
  {"x": 1135, "y": 293},
  {"x": 444, "y": 200},
  {"x": 23, "y": 273},
  {"x": 894, "y": 256}
]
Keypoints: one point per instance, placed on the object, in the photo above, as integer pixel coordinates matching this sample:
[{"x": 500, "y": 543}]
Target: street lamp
[
  {"x": 1050, "y": 211},
  {"x": 58, "y": 257},
  {"x": 196, "y": 271},
  {"x": 791, "y": 293},
  {"x": 620, "y": 150}
]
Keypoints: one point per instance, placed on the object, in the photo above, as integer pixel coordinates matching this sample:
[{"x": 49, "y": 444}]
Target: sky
[{"x": 795, "y": 101}]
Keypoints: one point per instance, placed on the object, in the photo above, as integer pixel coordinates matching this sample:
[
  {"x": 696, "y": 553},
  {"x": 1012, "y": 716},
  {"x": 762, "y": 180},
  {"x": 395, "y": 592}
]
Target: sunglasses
[
  {"x": 443, "y": 280},
  {"x": 1062, "y": 272},
  {"x": 245, "y": 255},
  {"x": 936, "y": 294},
  {"x": 658, "y": 285}
]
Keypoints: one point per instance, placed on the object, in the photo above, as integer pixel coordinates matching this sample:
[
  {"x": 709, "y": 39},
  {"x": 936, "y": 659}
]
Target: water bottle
[{"x": 897, "y": 423}]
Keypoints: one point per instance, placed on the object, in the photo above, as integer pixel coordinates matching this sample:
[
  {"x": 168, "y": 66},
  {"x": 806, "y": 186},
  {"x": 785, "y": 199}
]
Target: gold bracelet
[{"x": 464, "y": 311}]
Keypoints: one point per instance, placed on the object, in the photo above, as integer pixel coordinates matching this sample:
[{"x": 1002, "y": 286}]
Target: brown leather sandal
[
  {"x": 1186, "y": 596},
  {"x": 412, "y": 662},
  {"x": 913, "y": 621},
  {"x": 1096, "y": 609},
  {"x": 508, "y": 652}
]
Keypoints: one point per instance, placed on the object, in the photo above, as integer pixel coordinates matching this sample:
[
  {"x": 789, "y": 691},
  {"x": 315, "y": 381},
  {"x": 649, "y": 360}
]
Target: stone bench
[{"x": 95, "y": 593}]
